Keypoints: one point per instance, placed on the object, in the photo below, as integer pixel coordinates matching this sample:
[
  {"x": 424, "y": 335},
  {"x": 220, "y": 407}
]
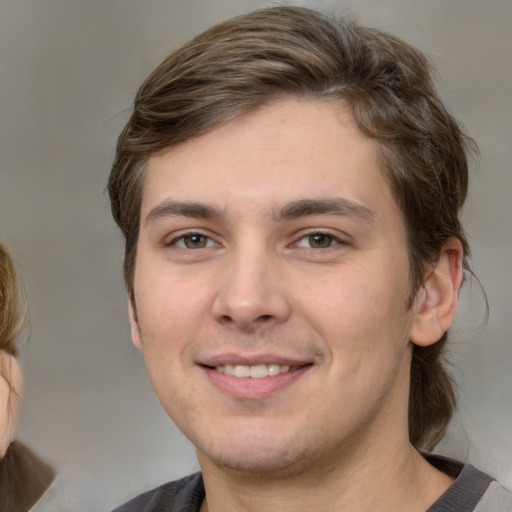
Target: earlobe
[
  {"x": 436, "y": 302},
  {"x": 134, "y": 324}
]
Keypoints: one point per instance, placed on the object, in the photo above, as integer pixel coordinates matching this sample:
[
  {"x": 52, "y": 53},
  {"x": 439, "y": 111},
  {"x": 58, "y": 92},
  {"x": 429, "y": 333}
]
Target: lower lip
[{"x": 254, "y": 388}]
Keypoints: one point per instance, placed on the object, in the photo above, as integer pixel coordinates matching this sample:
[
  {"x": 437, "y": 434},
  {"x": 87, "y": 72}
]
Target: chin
[
  {"x": 259, "y": 455},
  {"x": 271, "y": 466}
]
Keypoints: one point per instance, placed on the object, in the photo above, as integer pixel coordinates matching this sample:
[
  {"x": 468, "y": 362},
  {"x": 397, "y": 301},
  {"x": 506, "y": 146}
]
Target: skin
[
  {"x": 276, "y": 238},
  {"x": 10, "y": 372}
]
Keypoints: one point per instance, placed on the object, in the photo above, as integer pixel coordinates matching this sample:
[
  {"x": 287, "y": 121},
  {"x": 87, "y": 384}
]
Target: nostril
[{"x": 225, "y": 319}]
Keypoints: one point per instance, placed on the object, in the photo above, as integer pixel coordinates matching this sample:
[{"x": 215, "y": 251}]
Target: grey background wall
[{"x": 69, "y": 71}]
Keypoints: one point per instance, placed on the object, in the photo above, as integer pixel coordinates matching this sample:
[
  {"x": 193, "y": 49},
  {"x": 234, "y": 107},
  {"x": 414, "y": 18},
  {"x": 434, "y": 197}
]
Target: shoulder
[
  {"x": 472, "y": 491},
  {"x": 182, "y": 495},
  {"x": 24, "y": 478},
  {"x": 495, "y": 499}
]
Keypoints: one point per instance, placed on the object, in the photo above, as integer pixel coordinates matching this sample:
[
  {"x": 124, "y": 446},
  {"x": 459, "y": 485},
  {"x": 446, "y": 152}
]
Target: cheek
[
  {"x": 169, "y": 305},
  {"x": 361, "y": 314},
  {"x": 356, "y": 298}
]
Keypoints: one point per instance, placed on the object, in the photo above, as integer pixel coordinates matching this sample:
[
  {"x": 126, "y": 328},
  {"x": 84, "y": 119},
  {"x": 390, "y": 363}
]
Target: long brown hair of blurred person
[{"x": 23, "y": 475}]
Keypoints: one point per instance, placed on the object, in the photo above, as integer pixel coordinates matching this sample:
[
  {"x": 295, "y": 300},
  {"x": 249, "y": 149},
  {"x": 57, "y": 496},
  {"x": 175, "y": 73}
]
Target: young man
[{"x": 289, "y": 188}]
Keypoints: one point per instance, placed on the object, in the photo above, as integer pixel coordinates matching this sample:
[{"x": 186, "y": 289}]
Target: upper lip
[{"x": 251, "y": 360}]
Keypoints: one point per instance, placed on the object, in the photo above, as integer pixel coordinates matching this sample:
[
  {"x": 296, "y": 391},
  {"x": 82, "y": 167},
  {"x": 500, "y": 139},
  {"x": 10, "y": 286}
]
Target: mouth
[{"x": 254, "y": 379}]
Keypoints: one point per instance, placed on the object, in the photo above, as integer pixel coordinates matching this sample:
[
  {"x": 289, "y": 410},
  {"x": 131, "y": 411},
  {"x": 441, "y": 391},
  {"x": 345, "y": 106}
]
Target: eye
[
  {"x": 193, "y": 241},
  {"x": 318, "y": 241}
]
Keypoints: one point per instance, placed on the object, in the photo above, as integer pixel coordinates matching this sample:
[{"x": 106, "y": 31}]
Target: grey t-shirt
[{"x": 472, "y": 491}]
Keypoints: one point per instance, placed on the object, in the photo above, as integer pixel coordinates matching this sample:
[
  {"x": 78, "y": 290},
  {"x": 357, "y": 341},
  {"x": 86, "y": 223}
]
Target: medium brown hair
[
  {"x": 13, "y": 315},
  {"x": 12, "y": 312},
  {"x": 239, "y": 65}
]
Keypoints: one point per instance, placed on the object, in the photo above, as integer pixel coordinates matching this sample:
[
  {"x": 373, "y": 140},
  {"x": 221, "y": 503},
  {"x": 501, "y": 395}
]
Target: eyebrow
[
  {"x": 290, "y": 211},
  {"x": 184, "y": 209},
  {"x": 325, "y": 206}
]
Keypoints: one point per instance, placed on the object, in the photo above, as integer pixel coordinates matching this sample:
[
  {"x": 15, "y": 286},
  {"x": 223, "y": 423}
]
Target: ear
[
  {"x": 134, "y": 323},
  {"x": 436, "y": 302}
]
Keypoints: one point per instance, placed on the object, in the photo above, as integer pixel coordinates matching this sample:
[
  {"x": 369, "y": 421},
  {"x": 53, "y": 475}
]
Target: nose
[{"x": 252, "y": 293}]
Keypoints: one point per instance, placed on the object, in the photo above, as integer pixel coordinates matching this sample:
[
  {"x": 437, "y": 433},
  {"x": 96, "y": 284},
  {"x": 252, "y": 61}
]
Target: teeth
[
  {"x": 256, "y": 372},
  {"x": 274, "y": 369},
  {"x": 229, "y": 369},
  {"x": 242, "y": 371}
]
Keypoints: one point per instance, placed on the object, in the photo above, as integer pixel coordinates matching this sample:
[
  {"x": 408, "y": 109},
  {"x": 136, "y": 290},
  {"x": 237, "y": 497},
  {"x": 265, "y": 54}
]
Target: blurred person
[
  {"x": 289, "y": 187},
  {"x": 23, "y": 476}
]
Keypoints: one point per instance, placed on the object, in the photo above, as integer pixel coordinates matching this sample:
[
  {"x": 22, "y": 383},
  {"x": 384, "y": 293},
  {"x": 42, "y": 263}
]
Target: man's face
[{"x": 272, "y": 247}]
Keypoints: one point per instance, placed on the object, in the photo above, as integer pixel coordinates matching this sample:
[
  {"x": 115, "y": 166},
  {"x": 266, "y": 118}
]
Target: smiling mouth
[
  {"x": 255, "y": 380},
  {"x": 258, "y": 371}
]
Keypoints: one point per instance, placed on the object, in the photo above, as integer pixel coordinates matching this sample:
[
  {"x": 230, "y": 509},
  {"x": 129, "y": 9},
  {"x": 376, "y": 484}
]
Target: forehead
[{"x": 287, "y": 150}]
